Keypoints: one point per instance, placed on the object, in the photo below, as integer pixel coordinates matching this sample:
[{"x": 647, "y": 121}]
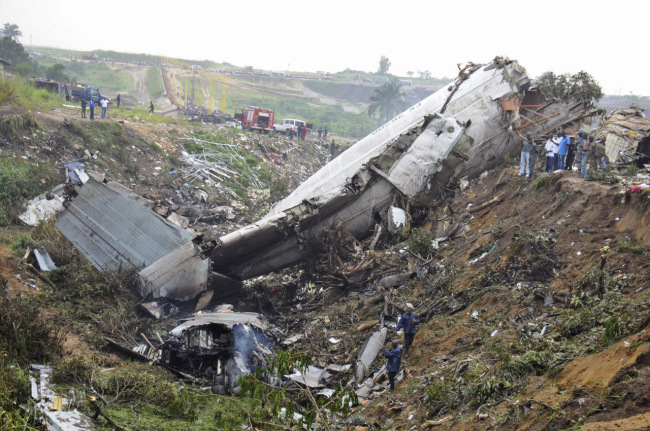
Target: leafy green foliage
[
  {"x": 387, "y": 101},
  {"x": 487, "y": 390},
  {"x": 12, "y": 51},
  {"x": 11, "y": 31},
  {"x": 627, "y": 246},
  {"x": 20, "y": 182},
  {"x": 384, "y": 65},
  {"x": 55, "y": 73},
  {"x": 612, "y": 330},
  {"x": 580, "y": 86},
  {"x": 14, "y": 399},
  {"x": 28, "y": 335},
  {"x": 421, "y": 243}
]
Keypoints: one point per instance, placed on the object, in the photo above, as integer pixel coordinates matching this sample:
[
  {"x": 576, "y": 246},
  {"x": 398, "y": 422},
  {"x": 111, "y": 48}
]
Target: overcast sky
[{"x": 603, "y": 38}]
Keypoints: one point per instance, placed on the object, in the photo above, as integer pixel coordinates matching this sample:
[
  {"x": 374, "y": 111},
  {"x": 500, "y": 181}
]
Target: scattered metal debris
[
  {"x": 59, "y": 414},
  {"x": 44, "y": 260},
  {"x": 114, "y": 232}
]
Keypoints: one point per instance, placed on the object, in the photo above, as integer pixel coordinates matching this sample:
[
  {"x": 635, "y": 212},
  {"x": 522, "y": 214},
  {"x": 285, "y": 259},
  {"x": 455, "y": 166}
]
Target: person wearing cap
[
  {"x": 408, "y": 322},
  {"x": 394, "y": 357}
]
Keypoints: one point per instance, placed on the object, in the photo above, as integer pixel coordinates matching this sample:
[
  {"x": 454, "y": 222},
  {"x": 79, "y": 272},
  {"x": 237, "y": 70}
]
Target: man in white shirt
[
  {"x": 551, "y": 150},
  {"x": 104, "y": 104}
]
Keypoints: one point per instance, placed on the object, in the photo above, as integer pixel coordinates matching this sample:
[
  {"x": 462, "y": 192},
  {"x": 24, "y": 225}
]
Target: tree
[
  {"x": 11, "y": 31},
  {"x": 12, "y": 51},
  {"x": 387, "y": 101},
  {"x": 424, "y": 74},
  {"x": 384, "y": 65},
  {"x": 580, "y": 86},
  {"x": 410, "y": 73},
  {"x": 55, "y": 73}
]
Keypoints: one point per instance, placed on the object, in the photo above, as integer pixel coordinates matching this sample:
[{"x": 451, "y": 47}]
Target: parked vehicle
[
  {"x": 76, "y": 92},
  {"x": 286, "y": 125},
  {"x": 254, "y": 118}
]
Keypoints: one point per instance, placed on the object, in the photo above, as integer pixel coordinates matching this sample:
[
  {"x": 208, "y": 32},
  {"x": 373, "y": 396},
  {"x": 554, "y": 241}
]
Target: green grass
[
  {"x": 95, "y": 74},
  {"x": 628, "y": 247},
  {"x": 18, "y": 92},
  {"x": 155, "y": 85},
  {"x": 20, "y": 182}
]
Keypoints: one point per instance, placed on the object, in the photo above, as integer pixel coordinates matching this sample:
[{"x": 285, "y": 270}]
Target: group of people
[
  {"x": 322, "y": 133},
  {"x": 408, "y": 323},
  {"x": 562, "y": 152},
  {"x": 103, "y": 103}
]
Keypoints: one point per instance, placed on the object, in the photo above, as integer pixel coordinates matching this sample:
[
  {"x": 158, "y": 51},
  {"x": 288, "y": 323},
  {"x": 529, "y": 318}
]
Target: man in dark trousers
[
  {"x": 408, "y": 322},
  {"x": 325, "y": 132},
  {"x": 394, "y": 356},
  {"x": 84, "y": 103},
  {"x": 118, "y": 100},
  {"x": 151, "y": 108},
  {"x": 92, "y": 109}
]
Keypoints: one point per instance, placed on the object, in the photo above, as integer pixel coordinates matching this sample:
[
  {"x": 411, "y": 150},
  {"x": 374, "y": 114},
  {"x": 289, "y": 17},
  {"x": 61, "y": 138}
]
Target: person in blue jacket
[
  {"x": 92, "y": 109},
  {"x": 394, "y": 356},
  {"x": 564, "y": 149},
  {"x": 408, "y": 322}
]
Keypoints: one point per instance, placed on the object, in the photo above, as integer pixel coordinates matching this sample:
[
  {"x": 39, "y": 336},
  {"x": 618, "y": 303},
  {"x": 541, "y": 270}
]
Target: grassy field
[
  {"x": 155, "y": 85},
  {"x": 94, "y": 74}
]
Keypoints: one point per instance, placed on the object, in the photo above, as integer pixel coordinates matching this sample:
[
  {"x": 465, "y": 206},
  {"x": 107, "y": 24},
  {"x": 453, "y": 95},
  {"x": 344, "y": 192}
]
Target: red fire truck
[{"x": 254, "y": 118}]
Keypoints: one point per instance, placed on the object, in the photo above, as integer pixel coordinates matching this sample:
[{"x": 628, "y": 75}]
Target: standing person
[
  {"x": 291, "y": 132},
  {"x": 585, "y": 156},
  {"x": 325, "y": 132},
  {"x": 320, "y": 132},
  {"x": 104, "y": 103},
  {"x": 118, "y": 100},
  {"x": 300, "y": 128},
  {"x": 84, "y": 103},
  {"x": 580, "y": 140},
  {"x": 556, "y": 152},
  {"x": 408, "y": 322},
  {"x": 549, "y": 149},
  {"x": 533, "y": 157},
  {"x": 571, "y": 155},
  {"x": 563, "y": 149},
  {"x": 303, "y": 134},
  {"x": 151, "y": 107},
  {"x": 525, "y": 155},
  {"x": 92, "y": 109},
  {"x": 394, "y": 356}
]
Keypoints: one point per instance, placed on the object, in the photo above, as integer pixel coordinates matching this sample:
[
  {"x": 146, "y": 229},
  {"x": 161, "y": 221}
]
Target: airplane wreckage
[{"x": 460, "y": 131}]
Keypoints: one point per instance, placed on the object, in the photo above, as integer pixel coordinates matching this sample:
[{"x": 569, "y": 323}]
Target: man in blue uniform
[
  {"x": 394, "y": 356},
  {"x": 408, "y": 322}
]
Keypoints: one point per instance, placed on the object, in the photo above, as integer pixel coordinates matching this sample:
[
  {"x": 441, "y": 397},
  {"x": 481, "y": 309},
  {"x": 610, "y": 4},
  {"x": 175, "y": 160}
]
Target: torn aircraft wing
[{"x": 115, "y": 232}]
